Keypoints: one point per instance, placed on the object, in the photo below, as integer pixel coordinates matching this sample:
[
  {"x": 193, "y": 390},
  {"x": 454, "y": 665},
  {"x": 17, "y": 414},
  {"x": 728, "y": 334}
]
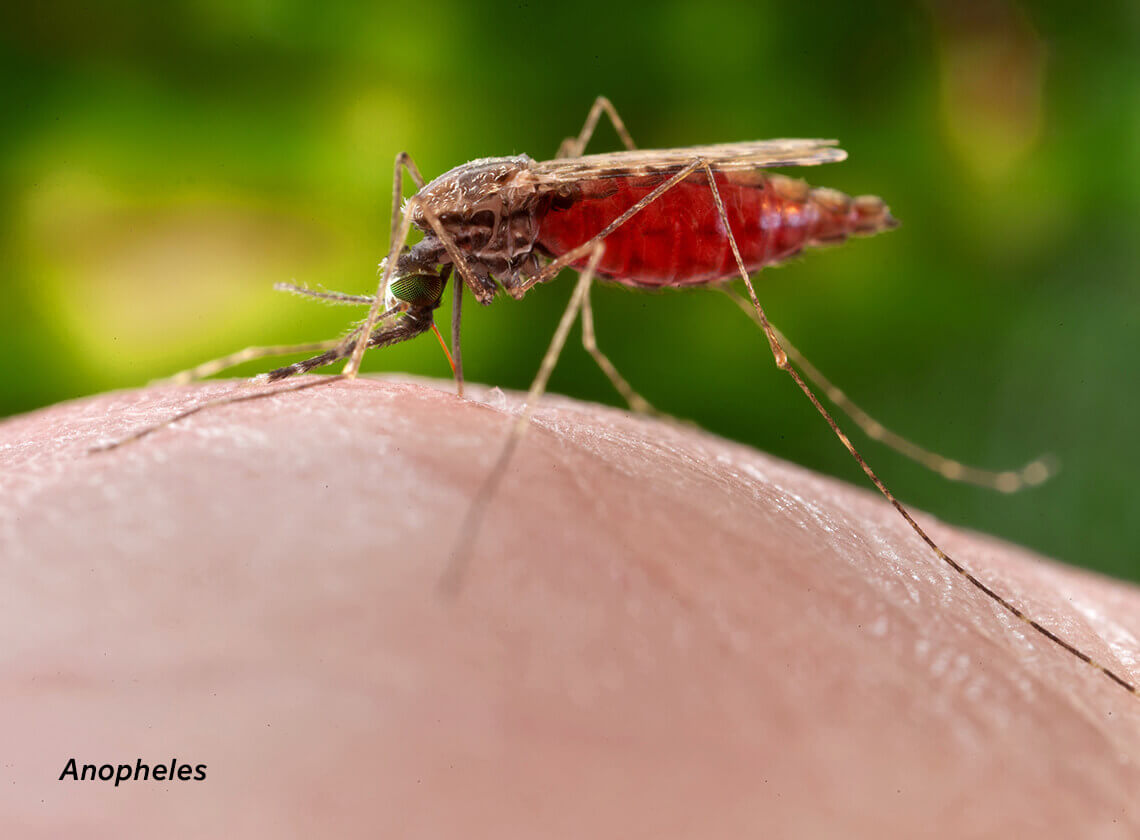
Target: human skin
[{"x": 660, "y": 634}]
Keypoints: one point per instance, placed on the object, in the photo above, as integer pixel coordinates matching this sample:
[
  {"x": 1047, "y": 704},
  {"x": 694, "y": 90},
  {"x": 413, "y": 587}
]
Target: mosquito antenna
[{"x": 329, "y": 297}]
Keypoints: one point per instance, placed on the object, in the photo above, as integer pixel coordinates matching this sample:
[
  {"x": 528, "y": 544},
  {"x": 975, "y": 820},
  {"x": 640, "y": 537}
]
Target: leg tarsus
[
  {"x": 456, "y": 351},
  {"x": 405, "y": 160}
]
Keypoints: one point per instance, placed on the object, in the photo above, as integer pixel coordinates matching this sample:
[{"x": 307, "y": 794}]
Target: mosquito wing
[{"x": 723, "y": 157}]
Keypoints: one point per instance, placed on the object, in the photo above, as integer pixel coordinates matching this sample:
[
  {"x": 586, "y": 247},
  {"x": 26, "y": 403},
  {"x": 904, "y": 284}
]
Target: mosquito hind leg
[
  {"x": 574, "y": 146},
  {"x": 781, "y": 357},
  {"x": 1007, "y": 481}
]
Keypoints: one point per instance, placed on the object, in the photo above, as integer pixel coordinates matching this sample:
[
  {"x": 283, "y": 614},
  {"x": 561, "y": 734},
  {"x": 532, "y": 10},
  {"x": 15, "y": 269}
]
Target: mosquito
[{"x": 702, "y": 216}]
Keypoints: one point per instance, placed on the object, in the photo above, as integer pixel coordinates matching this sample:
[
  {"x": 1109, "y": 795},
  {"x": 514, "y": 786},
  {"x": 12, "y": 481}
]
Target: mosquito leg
[
  {"x": 782, "y": 363},
  {"x": 398, "y": 235},
  {"x": 333, "y": 350},
  {"x": 574, "y": 146},
  {"x": 365, "y": 300},
  {"x": 1009, "y": 481},
  {"x": 635, "y": 401},
  {"x": 538, "y": 387},
  {"x": 249, "y": 354},
  {"x": 452, "y": 577},
  {"x": 456, "y": 352},
  {"x": 453, "y": 252},
  {"x": 397, "y": 325},
  {"x": 403, "y": 159},
  {"x": 406, "y": 325}
]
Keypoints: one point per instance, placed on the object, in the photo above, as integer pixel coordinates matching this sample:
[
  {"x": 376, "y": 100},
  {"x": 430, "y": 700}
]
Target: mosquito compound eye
[{"x": 418, "y": 289}]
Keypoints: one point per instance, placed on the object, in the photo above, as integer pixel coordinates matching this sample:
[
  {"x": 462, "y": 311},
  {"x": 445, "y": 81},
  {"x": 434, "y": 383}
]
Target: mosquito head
[
  {"x": 410, "y": 301},
  {"x": 413, "y": 288},
  {"x": 420, "y": 291}
]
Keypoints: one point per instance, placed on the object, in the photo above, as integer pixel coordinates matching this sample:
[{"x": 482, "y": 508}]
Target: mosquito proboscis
[{"x": 686, "y": 217}]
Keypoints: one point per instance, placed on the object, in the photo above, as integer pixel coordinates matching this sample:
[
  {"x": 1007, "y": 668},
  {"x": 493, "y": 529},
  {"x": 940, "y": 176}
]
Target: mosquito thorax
[{"x": 480, "y": 185}]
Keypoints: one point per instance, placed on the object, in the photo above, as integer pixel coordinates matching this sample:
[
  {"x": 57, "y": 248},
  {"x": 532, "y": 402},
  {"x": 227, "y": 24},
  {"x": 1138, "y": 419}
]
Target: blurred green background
[{"x": 164, "y": 164}]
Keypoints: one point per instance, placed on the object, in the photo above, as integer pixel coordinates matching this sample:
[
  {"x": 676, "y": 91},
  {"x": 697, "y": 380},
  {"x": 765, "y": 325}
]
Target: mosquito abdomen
[{"x": 679, "y": 240}]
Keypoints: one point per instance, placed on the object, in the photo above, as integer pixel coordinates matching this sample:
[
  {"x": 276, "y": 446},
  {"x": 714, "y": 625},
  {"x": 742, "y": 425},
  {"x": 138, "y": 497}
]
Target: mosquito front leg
[
  {"x": 636, "y": 402},
  {"x": 454, "y": 254},
  {"x": 574, "y": 146},
  {"x": 404, "y": 161},
  {"x": 335, "y": 353},
  {"x": 452, "y": 577},
  {"x": 456, "y": 352},
  {"x": 398, "y": 326},
  {"x": 251, "y": 354},
  {"x": 782, "y": 362},
  {"x": 398, "y": 235}
]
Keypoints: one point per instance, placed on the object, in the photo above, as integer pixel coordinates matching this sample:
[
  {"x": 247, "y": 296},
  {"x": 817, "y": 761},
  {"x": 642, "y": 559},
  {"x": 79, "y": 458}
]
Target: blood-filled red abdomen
[{"x": 679, "y": 239}]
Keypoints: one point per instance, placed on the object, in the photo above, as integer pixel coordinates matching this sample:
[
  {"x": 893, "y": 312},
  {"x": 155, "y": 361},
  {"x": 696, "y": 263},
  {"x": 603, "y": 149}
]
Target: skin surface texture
[{"x": 660, "y": 634}]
